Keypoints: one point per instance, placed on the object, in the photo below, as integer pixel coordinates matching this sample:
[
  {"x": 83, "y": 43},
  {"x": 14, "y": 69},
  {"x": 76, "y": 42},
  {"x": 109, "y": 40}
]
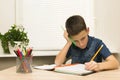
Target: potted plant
[{"x": 16, "y": 33}]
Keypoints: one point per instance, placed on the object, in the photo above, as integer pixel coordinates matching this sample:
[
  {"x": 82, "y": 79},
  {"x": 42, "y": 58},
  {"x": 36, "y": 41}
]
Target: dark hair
[{"x": 75, "y": 24}]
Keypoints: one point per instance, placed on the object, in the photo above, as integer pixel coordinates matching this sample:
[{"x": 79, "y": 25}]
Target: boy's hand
[
  {"x": 92, "y": 65},
  {"x": 66, "y": 36}
]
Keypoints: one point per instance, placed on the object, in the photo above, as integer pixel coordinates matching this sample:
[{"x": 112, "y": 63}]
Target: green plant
[{"x": 16, "y": 33}]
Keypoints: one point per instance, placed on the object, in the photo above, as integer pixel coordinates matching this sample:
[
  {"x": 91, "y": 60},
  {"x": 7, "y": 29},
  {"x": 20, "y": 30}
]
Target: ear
[{"x": 87, "y": 30}]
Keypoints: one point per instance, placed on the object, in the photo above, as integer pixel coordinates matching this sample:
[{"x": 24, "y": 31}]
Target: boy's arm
[
  {"x": 61, "y": 57},
  {"x": 110, "y": 63}
]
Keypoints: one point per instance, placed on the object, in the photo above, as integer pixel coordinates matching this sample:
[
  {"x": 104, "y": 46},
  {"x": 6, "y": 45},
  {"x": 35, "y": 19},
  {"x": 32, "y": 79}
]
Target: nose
[{"x": 80, "y": 43}]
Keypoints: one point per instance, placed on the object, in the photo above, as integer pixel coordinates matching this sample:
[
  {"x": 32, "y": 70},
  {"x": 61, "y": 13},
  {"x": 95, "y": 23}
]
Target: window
[{"x": 43, "y": 20}]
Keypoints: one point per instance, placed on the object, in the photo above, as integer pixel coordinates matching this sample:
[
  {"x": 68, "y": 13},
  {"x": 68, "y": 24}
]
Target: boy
[{"x": 84, "y": 47}]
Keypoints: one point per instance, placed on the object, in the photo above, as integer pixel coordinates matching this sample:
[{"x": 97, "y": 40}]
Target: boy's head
[
  {"x": 75, "y": 24},
  {"x": 76, "y": 28}
]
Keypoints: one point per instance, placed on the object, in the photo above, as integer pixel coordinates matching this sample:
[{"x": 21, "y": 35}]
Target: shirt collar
[{"x": 89, "y": 42}]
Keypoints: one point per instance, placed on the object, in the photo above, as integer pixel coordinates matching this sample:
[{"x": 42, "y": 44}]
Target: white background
[
  {"x": 43, "y": 20},
  {"x": 106, "y": 27}
]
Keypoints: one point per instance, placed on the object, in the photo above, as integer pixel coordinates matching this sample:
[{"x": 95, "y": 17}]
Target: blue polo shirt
[{"x": 84, "y": 55}]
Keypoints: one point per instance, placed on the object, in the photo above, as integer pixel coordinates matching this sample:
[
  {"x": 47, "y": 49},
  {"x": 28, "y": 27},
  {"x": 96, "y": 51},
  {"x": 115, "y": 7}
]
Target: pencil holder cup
[{"x": 24, "y": 65}]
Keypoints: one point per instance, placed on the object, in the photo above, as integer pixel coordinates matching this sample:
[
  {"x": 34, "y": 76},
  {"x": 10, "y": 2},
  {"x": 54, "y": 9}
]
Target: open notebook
[
  {"x": 45, "y": 67},
  {"x": 77, "y": 69}
]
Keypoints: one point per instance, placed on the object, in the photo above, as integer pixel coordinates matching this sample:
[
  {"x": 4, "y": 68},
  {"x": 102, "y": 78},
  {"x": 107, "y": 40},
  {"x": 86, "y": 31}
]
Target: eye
[
  {"x": 82, "y": 38},
  {"x": 76, "y": 40}
]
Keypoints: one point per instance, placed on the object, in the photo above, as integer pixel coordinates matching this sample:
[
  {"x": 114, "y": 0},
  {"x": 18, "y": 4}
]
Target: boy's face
[{"x": 81, "y": 39}]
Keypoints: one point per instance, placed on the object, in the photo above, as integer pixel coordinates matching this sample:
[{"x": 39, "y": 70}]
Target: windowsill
[{"x": 35, "y": 53}]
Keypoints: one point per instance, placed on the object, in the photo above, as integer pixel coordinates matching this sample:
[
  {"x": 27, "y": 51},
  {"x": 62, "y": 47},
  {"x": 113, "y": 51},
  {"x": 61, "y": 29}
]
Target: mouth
[{"x": 81, "y": 47}]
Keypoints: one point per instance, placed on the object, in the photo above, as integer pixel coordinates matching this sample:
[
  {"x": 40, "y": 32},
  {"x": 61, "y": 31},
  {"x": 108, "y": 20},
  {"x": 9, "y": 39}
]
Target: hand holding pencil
[{"x": 92, "y": 65}]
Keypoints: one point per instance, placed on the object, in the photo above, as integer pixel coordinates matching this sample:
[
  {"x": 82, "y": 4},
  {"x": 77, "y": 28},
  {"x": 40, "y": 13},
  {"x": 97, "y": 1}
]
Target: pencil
[
  {"x": 97, "y": 52},
  {"x": 69, "y": 37}
]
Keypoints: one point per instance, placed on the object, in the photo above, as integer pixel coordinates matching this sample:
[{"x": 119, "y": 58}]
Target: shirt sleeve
[{"x": 105, "y": 52}]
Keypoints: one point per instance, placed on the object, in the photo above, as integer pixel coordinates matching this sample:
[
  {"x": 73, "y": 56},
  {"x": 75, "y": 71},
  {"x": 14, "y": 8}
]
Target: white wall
[
  {"x": 32, "y": 14},
  {"x": 107, "y": 22},
  {"x": 7, "y": 16},
  {"x": 43, "y": 20}
]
